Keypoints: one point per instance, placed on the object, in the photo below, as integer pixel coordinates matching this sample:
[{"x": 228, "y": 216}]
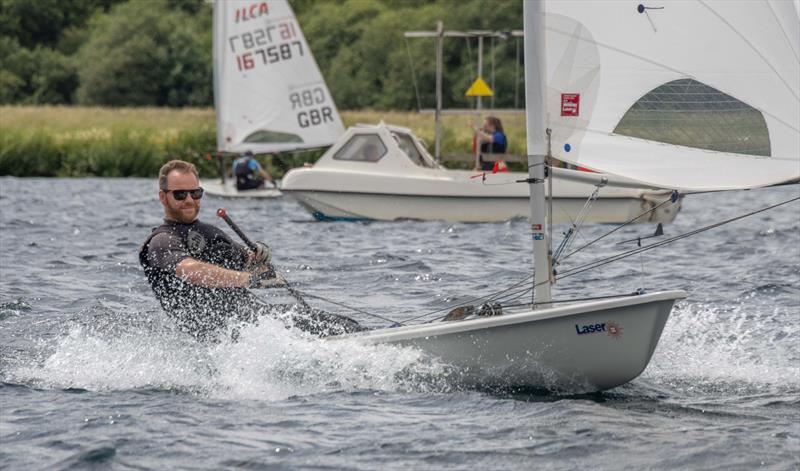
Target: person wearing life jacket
[
  {"x": 248, "y": 173},
  {"x": 492, "y": 140},
  {"x": 202, "y": 278}
]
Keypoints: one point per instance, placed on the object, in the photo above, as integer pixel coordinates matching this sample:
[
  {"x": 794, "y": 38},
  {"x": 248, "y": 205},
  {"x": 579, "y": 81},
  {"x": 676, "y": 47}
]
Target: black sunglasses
[{"x": 180, "y": 195}]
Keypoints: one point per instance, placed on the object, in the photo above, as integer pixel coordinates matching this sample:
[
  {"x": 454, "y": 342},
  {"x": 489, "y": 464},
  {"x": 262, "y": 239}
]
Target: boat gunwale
[
  {"x": 466, "y": 196},
  {"x": 468, "y": 325}
]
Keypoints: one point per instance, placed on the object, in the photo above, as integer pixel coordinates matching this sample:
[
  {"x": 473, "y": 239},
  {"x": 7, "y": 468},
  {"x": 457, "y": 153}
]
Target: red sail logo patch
[{"x": 570, "y": 104}]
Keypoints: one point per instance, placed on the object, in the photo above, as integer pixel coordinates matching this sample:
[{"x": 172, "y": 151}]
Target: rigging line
[
  {"x": 413, "y": 75},
  {"x": 484, "y": 183},
  {"x": 576, "y": 225},
  {"x": 511, "y": 297},
  {"x": 510, "y": 294},
  {"x": 614, "y": 258},
  {"x": 361, "y": 311},
  {"x": 703, "y": 192},
  {"x": 469, "y": 301},
  {"x": 630, "y": 221},
  {"x": 266, "y": 303}
]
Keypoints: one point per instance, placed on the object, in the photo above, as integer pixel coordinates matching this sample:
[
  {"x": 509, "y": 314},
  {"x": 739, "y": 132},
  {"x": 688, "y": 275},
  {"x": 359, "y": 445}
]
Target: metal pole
[
  {"x": 480, "y": 64},
  {"x": 493, "y": 88},
  {"x": 439, "y": 66},
  {"x": 478, "y": 107},
  {"x": 516, "y": 79}
]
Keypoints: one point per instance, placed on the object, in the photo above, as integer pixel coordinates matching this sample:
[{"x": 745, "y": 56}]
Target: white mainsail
[
  {"x": 690, "y": 95},
  {"x": 268, "y": 91}
]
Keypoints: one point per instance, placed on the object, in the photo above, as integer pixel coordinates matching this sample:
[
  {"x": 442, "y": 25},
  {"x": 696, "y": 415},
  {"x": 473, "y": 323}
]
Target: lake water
[{"x": 93, "y": 374}]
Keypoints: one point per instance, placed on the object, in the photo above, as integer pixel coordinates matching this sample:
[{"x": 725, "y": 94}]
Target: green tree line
[{"x": 158, "y": 52}]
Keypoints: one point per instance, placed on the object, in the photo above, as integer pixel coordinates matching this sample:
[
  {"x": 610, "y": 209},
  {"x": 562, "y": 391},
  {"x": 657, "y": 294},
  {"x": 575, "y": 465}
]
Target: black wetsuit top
[
  {"x": 203, "y": 311},
  {"x": 196, "y": 309}
]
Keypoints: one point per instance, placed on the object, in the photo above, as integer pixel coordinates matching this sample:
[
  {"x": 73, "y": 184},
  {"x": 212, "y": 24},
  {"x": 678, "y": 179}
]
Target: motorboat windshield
[{"x": 410, "y": 148}]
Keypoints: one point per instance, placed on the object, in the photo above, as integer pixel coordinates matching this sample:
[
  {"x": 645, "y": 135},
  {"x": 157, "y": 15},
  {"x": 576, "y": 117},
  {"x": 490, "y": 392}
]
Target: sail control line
[{"x": 222, "y": 213}]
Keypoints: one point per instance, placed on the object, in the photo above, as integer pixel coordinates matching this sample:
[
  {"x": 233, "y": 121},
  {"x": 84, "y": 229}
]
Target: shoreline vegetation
[{"x": 67, "y": 141}]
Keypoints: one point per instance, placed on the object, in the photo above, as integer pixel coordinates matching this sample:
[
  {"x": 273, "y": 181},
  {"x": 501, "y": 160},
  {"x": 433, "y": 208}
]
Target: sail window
[
  {"x": 689, "y": 113},
  {"x": 362, "y": 148},
  {"x": 263, "y": 136}
]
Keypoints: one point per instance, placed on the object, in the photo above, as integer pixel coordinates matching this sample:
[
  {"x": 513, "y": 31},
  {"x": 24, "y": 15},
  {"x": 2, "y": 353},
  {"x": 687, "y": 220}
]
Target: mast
[
  {"x": 535, "y": 109},
  {"x": 439, "y": 67},
  {"x": 219, "y": 21}
]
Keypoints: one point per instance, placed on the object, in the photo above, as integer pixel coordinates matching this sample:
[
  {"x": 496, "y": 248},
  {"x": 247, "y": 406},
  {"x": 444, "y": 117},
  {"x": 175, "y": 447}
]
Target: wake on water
[{"x": 705, "y": 347}]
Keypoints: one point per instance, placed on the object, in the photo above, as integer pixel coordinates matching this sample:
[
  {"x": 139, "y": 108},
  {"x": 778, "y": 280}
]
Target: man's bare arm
[{"x": 211, "y": 276}]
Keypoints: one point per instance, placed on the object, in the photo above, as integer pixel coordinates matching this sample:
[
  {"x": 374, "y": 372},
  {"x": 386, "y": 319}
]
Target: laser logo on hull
[{"x": 612, "y": 329}]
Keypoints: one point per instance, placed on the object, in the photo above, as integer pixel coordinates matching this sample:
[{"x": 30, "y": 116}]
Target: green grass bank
[{"x": 55, "y": 141}]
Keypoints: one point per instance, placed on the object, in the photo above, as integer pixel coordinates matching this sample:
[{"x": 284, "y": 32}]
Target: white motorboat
[
  {"x": 600, "y": 344},
  {"x": 402, "y": 181},
  {"x": 269, "y": 95}
]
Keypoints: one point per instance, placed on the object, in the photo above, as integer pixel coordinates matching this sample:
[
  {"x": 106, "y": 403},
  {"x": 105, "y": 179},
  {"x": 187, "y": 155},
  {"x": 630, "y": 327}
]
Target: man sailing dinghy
[{"x": 203, "y": 279}]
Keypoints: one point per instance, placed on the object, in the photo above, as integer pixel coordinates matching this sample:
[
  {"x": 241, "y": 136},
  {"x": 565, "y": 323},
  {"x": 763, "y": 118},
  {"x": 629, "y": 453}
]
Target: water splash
[
  {"x": 737, "y": 348},
  {"x": 267, "y": 361},
  {"x": 272, "y": 362}
]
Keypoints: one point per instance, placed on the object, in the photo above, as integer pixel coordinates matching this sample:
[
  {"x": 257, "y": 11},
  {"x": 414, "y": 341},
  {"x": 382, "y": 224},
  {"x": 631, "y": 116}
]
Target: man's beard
[{"x": 179, "y": 215}]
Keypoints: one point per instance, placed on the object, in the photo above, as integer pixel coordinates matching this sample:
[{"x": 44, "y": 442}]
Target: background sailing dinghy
[
  {"x": 744, "y": 50},
  {"x": 269, "y": 94},
  {"x": 385, "y": 173}
]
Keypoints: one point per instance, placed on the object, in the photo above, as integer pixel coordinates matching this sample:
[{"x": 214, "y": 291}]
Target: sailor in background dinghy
[
  {"x": 201, "y": 277},
  {"x": 249, "y": 174}
]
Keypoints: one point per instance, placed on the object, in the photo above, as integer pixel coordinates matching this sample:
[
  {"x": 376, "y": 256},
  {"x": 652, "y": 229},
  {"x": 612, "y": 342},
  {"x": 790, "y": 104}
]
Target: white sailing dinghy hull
[
  {"x": 228, "y": 190},
  {"x": 591, "y": 346}
]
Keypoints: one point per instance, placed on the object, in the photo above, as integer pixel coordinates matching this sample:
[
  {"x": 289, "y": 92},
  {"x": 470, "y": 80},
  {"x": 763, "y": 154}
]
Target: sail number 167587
[{"x": 269, "y": 55}]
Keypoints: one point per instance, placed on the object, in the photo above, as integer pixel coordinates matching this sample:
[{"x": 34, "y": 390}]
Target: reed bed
[{"x": 118, "y": 142}]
